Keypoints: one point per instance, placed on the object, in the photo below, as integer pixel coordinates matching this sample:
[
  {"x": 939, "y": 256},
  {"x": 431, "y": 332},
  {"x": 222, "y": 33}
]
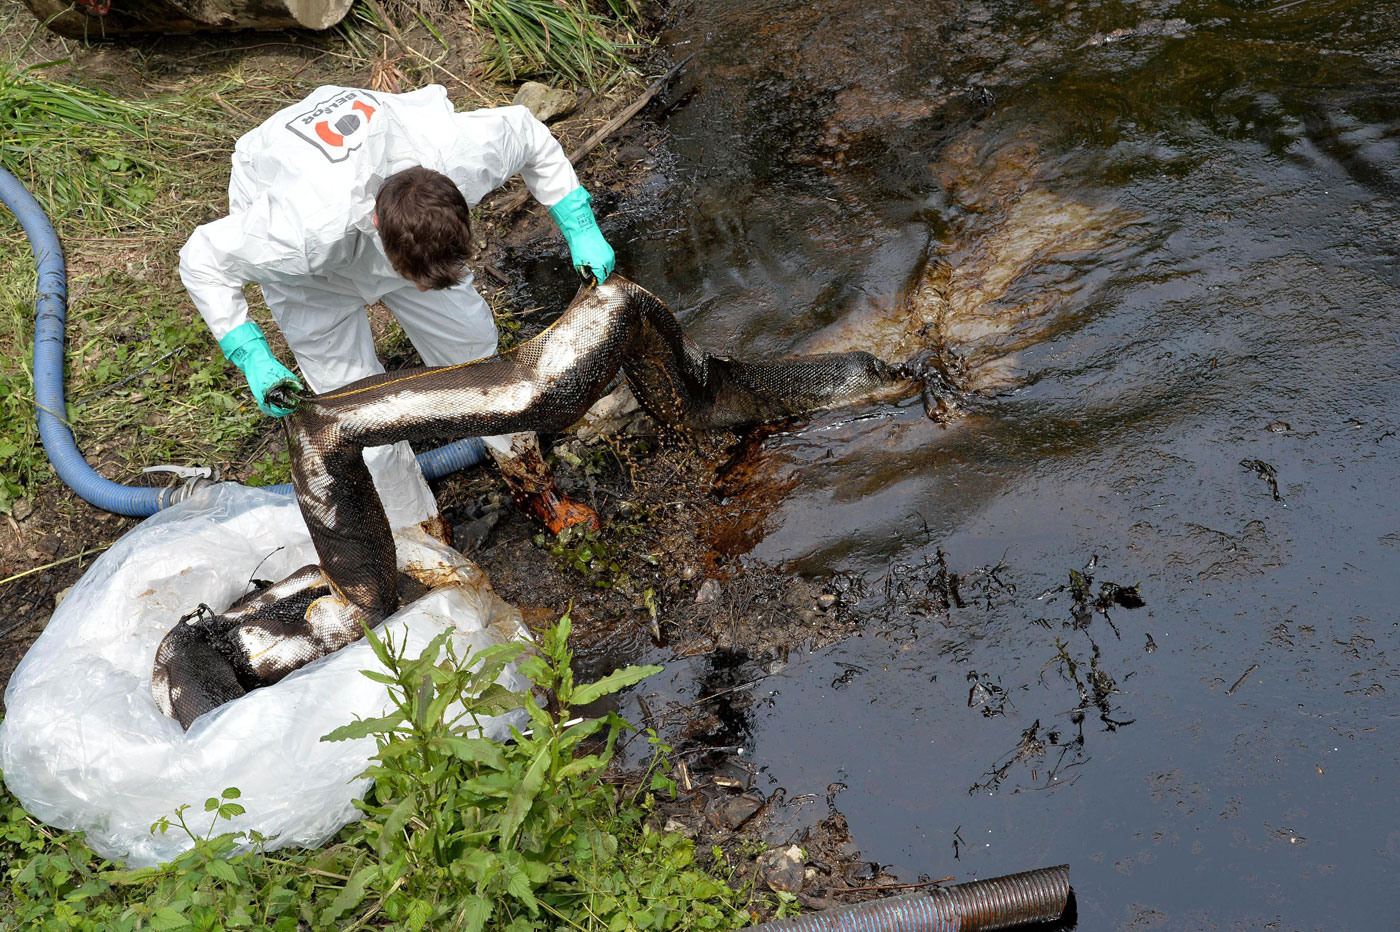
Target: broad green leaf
[
  {"x": 524, "y": 795},
  {"x": 222, "y": 870},
  {"x": 398, "y": 749},
  {"x": 613, "y": 682},
  {"x": 495, "y": 699},
  {"x": 380, "y": 647},
  {"x": 138, "y": 875},
  {"x": 474, "y": 913},
  {"x": 518, "y": 885},
  {"x": 583, "y": 765},
  {"x": 366, "y": 727},
  {"x": 477, "y": 750},
  {"x": 351, "y": 894},
  {"x": 535, "y": 670},
  {"x": 393, "y": 825},
  {"x": 419, "y": 912},
  {"x": 576, "y": 733},
  {"x": 167, "y": 919},
  {"x": 540, "y": 720},
  {"x": 477, "y": 863}
]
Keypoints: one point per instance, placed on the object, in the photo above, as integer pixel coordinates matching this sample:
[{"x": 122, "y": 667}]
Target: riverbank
[{"x": 146, "y": 385}]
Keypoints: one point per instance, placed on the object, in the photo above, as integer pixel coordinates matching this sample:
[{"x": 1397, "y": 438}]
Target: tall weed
[{"x": 459, "y": 832}]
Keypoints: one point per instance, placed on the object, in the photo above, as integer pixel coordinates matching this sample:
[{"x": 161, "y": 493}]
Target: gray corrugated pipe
[
  {"x": 977, "y": 906},
  {"x": 51, "y": 314}
]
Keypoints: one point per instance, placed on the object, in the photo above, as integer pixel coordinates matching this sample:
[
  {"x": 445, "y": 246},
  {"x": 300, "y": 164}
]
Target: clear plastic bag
[{"x": 83, "y": 746}]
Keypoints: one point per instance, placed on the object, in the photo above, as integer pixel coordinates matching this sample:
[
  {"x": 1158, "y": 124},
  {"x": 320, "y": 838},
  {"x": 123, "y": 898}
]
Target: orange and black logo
[{"x": 338, "y": 124}]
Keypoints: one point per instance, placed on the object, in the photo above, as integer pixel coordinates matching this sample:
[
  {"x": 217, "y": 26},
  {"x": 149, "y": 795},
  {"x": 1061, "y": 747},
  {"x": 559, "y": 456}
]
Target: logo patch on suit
[{"x": 336, "y": 125}]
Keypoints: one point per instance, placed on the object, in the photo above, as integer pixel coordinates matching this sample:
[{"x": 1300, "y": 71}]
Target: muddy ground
[{"x": 655, "y": 576}]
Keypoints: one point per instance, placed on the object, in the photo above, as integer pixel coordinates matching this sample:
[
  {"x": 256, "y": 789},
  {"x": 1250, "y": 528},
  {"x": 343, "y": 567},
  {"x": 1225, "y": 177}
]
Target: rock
[
  {"x": 609, "y": 415},
  {"x": 782, "y": 868},
  {"x": 470, "y": 535},
  {"x": 733, "y": 811},
  {"x": 545, "y": 102},
  {"x": 709, "y": 591}
]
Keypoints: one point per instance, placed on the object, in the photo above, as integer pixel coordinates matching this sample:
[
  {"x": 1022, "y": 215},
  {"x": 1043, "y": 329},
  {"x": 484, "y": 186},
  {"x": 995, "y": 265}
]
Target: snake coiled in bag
[{"x": 545, "y": 385}]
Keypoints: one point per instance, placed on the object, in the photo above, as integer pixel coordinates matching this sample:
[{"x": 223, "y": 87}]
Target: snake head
[
  {"x": 940, "y": 376},
  {"x": 285, "y": 394}
]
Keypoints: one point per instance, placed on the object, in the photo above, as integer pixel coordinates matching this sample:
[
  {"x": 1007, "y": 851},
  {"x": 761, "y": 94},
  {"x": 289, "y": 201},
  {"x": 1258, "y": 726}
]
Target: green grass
[
  {"x": 557, "y": 38},
  {"x": 84, "y": 153},
  {"x": 459, "y": 833},
  {"x": 125, "y": 181}
]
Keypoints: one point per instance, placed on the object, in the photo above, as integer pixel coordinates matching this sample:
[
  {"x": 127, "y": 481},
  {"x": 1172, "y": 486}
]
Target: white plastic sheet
[{"x": 83, "y": 746}]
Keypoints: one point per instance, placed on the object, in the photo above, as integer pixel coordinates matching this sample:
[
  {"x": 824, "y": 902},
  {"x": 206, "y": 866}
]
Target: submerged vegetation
[{"x": 459, "y": 832}]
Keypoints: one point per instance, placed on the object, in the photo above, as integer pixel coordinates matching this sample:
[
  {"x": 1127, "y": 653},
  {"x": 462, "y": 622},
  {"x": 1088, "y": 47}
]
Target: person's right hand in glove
[
  {"x": 274, "y": 386},
  {"x": 589, "y": 251}
]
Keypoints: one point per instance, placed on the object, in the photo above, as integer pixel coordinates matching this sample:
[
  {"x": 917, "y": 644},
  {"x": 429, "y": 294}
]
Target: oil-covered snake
[{"x": 544, "y": 384}]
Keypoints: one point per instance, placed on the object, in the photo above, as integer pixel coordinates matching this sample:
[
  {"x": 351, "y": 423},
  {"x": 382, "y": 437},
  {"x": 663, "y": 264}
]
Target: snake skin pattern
[{"x": 544, "y": 385}]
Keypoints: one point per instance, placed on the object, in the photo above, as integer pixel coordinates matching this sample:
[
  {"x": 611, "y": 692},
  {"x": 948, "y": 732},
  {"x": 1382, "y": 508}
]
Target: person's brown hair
[{"x": 425, "y": 225}]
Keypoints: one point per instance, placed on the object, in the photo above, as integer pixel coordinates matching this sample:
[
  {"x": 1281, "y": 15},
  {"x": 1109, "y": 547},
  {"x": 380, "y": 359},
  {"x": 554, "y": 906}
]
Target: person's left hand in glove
[{"x": 589, "y": 251}]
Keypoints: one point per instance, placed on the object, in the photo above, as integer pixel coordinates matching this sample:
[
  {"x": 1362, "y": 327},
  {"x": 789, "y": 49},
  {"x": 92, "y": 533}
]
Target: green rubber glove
[
  {"x": 587, "y": 247},
  {"x": 246, "y": 347}
]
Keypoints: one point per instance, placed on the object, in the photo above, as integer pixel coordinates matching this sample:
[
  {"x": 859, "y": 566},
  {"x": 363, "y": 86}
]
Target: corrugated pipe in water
[
  {"x": 976, "y": 906},
  {"x": 51, "y": 316}
]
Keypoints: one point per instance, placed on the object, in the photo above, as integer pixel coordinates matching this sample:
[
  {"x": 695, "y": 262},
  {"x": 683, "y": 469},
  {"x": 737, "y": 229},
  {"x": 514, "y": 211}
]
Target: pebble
[
  {"x": 545, "y": 102},
  {"x": 733, "y": 811},
  {"x": 709, "y": 591},
  {"x": 782, "y": 868},
  {"x": 470, "y": 535}
]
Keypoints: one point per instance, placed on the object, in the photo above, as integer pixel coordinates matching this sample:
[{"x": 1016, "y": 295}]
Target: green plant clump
[
  {"x": 460, "y": 832},
  {"x": 557, "y": 37}
]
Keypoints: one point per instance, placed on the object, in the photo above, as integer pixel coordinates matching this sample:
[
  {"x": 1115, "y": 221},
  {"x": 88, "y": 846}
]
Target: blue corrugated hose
[{"x": 51, "y": 314}]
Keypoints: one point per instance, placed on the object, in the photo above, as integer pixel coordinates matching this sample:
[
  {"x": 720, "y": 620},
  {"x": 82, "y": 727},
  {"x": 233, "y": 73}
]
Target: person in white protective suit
[{"x": 313, "y": 220}]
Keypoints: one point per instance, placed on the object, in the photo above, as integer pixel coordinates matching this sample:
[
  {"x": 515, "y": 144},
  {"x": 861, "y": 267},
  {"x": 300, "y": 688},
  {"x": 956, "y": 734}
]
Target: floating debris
[{"x": 1266, "y": 472}]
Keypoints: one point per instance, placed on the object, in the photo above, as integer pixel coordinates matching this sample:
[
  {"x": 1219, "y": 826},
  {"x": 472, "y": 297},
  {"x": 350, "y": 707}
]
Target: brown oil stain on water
[{"x": 995, "y": 283}]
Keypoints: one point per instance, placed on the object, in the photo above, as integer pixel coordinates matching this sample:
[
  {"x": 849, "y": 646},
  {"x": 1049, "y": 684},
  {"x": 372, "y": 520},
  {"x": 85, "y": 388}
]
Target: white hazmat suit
[{"x": 301, "y": 208}]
